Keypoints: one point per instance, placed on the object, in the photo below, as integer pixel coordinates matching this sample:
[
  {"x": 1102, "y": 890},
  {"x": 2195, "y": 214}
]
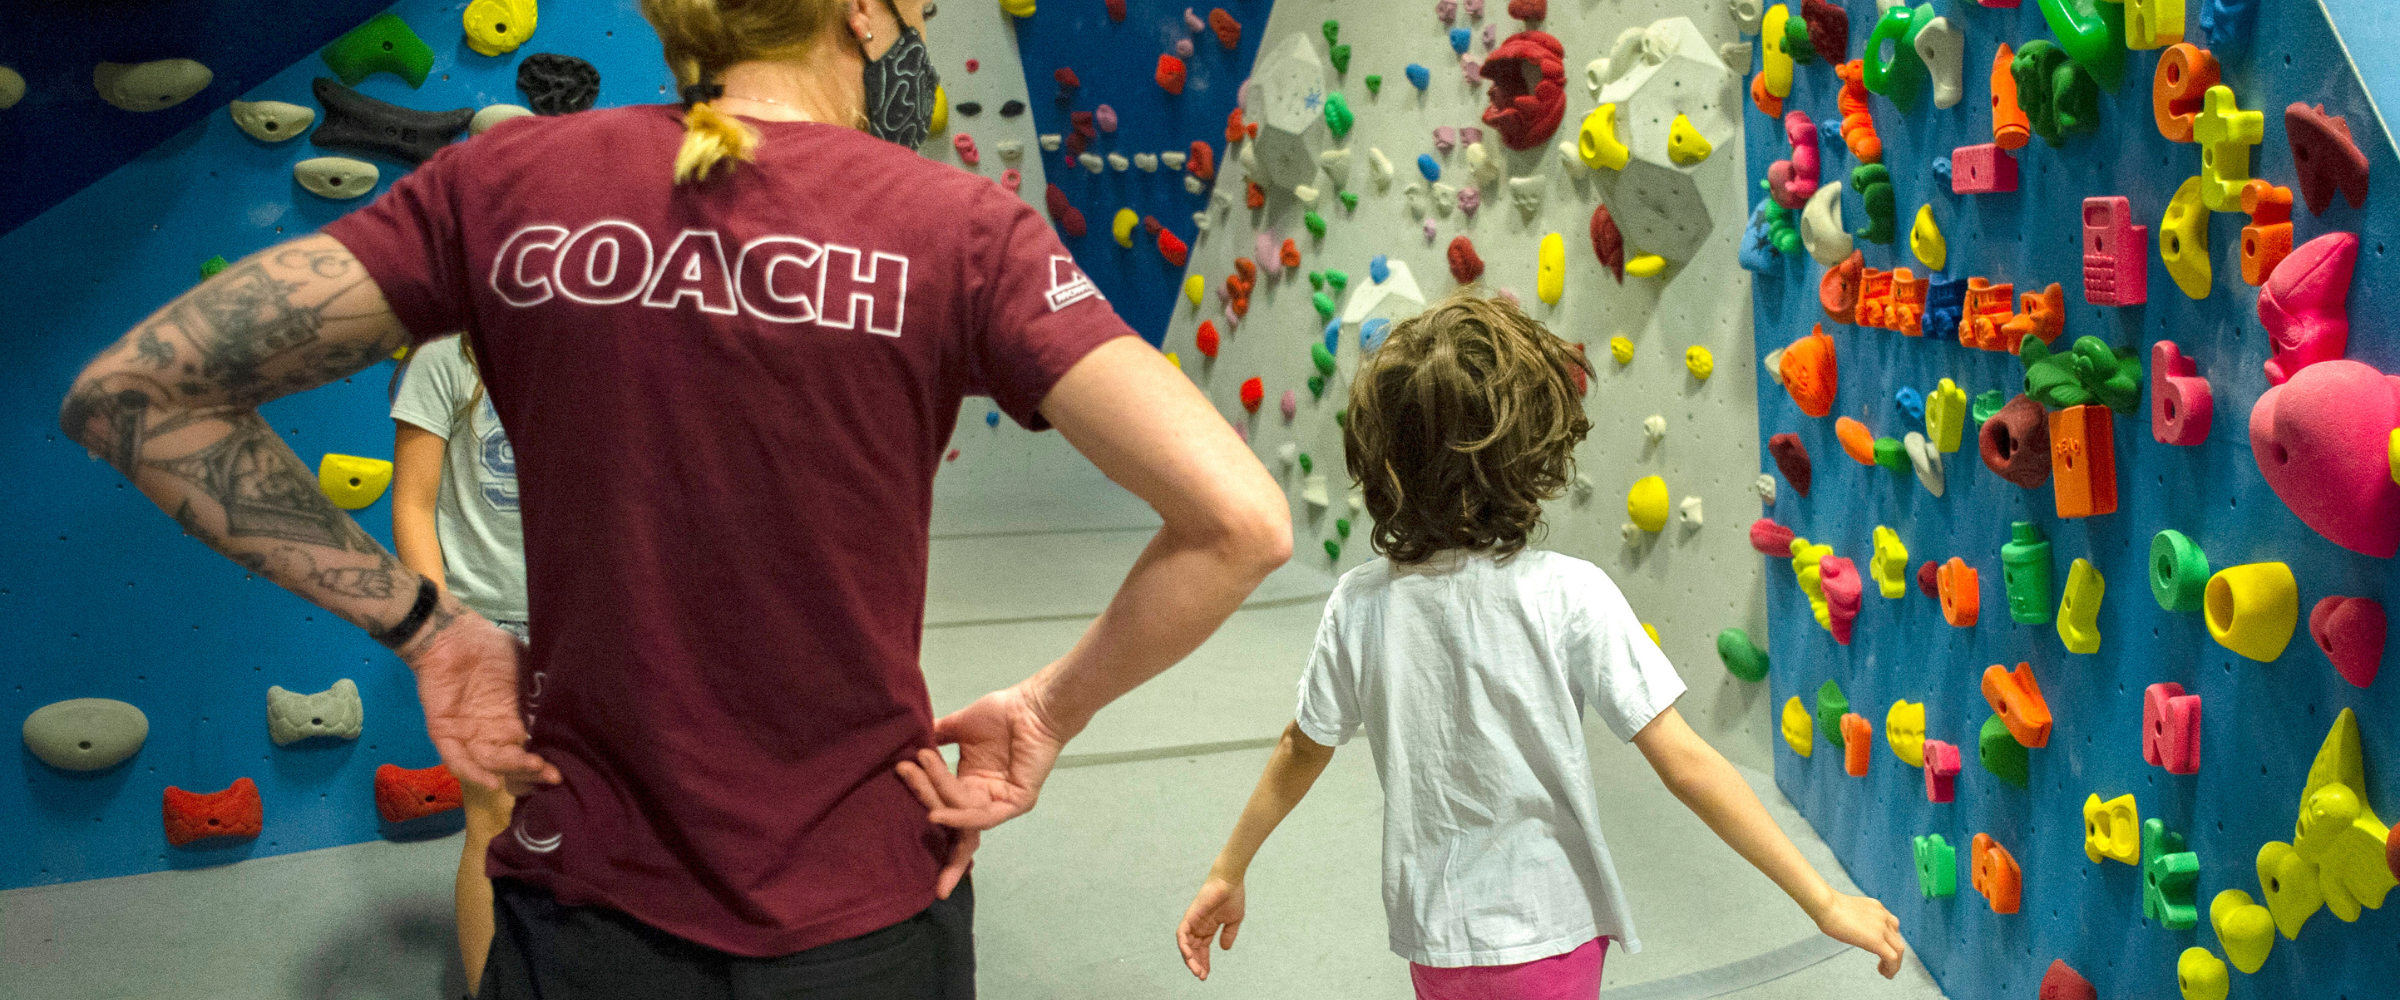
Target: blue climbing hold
[
  {"x": 1460, "y": 38},
  {"x": 1379, "y": 268},
  {"x": 1941, "y": 170},
  {"x": 1757, "y": 253},
  {"x": 1372, "y": 332},
  {"x": 1911, "y": 402},
  {"x": 2227, "y": 25},
  {"x": 1333, "y": 336},
  {"x": 1831, "y": 131},
  {"x": 1945, "y": 305},
  {"x": 1427, "y": 165},
  {"x": 1420, "y": 76},
  {"x": 991, "y": 419}
]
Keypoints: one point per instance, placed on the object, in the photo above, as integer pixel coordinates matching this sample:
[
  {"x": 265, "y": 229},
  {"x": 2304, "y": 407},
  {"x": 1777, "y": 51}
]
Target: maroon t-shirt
[{"x": 727, "y": 402}]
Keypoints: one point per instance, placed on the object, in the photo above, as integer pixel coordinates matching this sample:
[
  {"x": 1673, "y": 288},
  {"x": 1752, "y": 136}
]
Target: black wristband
[{"x": 398, "y": 635}]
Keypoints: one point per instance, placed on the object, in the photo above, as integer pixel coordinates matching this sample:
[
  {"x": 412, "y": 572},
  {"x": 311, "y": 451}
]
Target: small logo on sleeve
[{"x": 1068, "y": 285}]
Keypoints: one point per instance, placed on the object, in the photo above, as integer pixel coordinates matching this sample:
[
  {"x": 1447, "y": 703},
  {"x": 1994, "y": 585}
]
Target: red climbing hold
[
  {"x": 1234, "y": 129},
  {"x": 1609, "y": 244},
  {"x": 1171, "y": 247},
  {"x": 1207, "y": 338},
  {"x": 1201, "y": 161},
  {"x": 1067, "y": 80},
  {"x": 2325, "y": 157},
  {"x": 1291, "y": 254},
  {"x": 2062, "y": 982},
  {"x": 234, "y": 812},
  {"x": 1770, "y": 538},
  {"x": 972, "y": 65},
  {"x": 1526, "y": 118},
  {"x": 1151, "y": 225},
  {"x": 1256, "y": 197},
  {"x": 1170, "y": 73},
  {"x": 1791, "y": 459},
  {"x": 1116, "y": 10},
  {"x": 1828, "y": 30},
  {"x": 1229, "y": 31},
  {"x": 1464, "y": 264},
  {"x": 1068, "y": 217},
  {"x": 1056, "y": 200},
  {"x": 1529, "y": 10},
  {"x": 1254, "y": 391},
  {"x": 402, "y": 795},
  {"x": 1076, "y": 141},
  {"x": 1929, "y": 579}
]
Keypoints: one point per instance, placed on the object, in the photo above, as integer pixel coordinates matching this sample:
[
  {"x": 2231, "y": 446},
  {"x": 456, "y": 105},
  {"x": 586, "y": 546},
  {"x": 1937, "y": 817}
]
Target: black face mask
[{"x": 900, "y": 91}]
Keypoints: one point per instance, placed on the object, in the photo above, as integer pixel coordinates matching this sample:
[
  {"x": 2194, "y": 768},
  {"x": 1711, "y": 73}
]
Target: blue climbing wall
[
  {"x": 99, "y": 594},
  {"x": 1115, "y": 62},
  {"x": 2263, "y": 722}
]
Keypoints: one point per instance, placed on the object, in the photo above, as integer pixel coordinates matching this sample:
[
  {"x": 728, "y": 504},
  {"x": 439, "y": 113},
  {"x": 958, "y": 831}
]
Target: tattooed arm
[{"x": 174, "y": 406}]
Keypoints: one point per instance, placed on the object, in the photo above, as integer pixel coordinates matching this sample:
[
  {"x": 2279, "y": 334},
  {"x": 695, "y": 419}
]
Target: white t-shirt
[
  {"x": 1471, "y": 675},
  {"x": 475, "y": 519}
]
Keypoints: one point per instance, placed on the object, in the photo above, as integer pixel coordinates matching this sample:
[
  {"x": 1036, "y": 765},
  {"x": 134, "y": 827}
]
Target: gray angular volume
[
  {"x": 335, "y": 711},
  {"x": 85, "y": 734},
  {"x": 356, "y": 123}
]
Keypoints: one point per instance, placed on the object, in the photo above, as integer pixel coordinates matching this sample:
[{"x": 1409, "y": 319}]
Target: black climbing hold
[
  {"x": 356, "y": 123},
  {"x": 1012, "y": 109},
  {"x": 556, "y": 84},
  {"x": 969, "y": 108}
]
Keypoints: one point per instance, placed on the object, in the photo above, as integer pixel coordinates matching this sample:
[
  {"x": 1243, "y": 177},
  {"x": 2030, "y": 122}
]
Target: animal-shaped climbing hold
[
  {"x": 1996, "y": 874},
  {"x": 2350, "y": 631},
  {"x": 193, "y": 816},
  {"x": 2112, "y": 830},
  {"x": 1858, "y": 124},
  {"x": 2322, "y": 442},
  {"x": 2325, "y": 156},
  {"x": 2305, "y": 305},
  {"x": 2059, "y": 96},
  {"x": 334, "y": 713},
  {"x": 2182, "y": 406},
  {"x": 2252, "y": 609},
  {"x": 2171, "y": 728}
]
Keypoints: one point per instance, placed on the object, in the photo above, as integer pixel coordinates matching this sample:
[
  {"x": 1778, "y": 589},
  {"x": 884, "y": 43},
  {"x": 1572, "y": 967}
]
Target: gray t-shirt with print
[{"x": 483, "y": 540}]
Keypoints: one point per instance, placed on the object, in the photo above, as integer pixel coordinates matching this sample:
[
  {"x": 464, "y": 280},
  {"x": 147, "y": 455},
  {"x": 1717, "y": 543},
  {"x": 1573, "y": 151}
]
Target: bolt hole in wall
[{"x": 2274, "y": 712}]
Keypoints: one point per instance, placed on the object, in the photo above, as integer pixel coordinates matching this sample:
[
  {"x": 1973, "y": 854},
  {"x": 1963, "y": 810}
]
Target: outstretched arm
[
  {"x": 1217, "y": 911},
  {"x": 1707, "y": 784},
  {"x": 173, "y": 405}
]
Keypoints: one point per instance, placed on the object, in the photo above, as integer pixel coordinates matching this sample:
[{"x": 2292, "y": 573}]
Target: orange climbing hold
[
  {"x": 1996, "y": 875},
  {"x": 1906, "y": 314},
  {"x": 1255, "y": 197},
  {"x": 1838, "y": 291},
  {"x": 1229, "y": 31},
  {"x": 234, "y": 812},
  {"x": 1810, "y": 373},
  {"x": 2011, "y": 129},
  {"x": 1291, "y": 254},
  {"x": 402, "y": 794},
  {"x": 1986, "y": 311},
  {"x": 1766, "y": 100},
  {"x": 1857, "y": 441},
  {"x": 1961, "y": 593},
  {"x": 1858, "y": 124},
  {"x": 2018, "y": 701},
  {"x": 2179, "y": 89},
  {"x": 1858, "y": 744},
  {"x": 2043, "y": 314},
  {"x": 2267, "y": 240},
  {"x": 1201, "y": 162},
  {"x": 1170, "y": 73},
  {"x": 2083, "y": 461},
  {"x": 1233, "y": 127}
]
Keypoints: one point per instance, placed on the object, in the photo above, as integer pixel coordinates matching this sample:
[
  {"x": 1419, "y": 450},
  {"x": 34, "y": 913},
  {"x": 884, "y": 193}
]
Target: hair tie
[{"x": 701, "y": 93}]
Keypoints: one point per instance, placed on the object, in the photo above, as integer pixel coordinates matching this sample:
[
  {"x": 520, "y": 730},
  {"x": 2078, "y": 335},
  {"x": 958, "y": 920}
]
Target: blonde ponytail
[
  {"x": 709, "y": 137},
  {"x": 704, "y": 37}
]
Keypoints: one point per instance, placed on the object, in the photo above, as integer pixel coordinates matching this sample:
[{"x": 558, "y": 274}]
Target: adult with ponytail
[{"x": 729, "y": 338}]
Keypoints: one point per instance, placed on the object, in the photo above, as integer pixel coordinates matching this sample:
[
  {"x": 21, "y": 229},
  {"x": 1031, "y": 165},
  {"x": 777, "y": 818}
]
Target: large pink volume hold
[
  {"x": 2305, "y": 305},
  {"x": 2322, "y": 439}
]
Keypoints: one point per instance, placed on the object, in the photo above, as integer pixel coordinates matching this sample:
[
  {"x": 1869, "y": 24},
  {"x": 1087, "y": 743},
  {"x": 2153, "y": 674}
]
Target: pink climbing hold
[
  {"x": 972, "y": 65},
  {"x": 1432, "y": 232},
  {"x": 1183, "y": 47},
  {"x": 965, "y": 144},
  {"x": 1445, "y": 137},
  {"x": 1266, "y": 257},
  {"x": 2350, "y": 632},
  {"x": 1469, "y": 134},
  {"x": 1192, "y": 21},
  {"x": 2116, "y": 254},
  {"x": 1446, "y": 11},
  {"x": 1105, "y": 116},
  {"x": 2322, "y": 442},
  {"x": 1470, "y": 199},
  {"x": 1941, "y": 771},
  {"x": 1011, "y": 179},
  {"x": 1770, "y": 538},
  {"x": 1843, "y": 589},
  {"x": 2181, "y": 404},
  {"x": 1474, "y": 8},
  {"x": 2305, "y": 304},
  {"x": 1291, "y": 403},
  {"x": 2171, "y": 728},
  {"x": 1983, "y": 169},
  {"x": 1791, "y": 181}
]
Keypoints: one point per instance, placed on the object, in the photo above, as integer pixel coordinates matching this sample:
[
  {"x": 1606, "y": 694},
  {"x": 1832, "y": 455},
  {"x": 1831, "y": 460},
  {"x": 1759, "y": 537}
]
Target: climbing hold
[
  {"x": 2325, "y": 157},
  {"x": 1946, "y": 416},
  {"x": 1775, "y": 58},
  {"x": 2116, "y": 268},
  {"x": 352, "y": 482},
  {"x": 2058, "y": 95},
  {"x": 12, "y": 88},
  {"x": 1799, "y": 728},
  {"x": 2181, "y": 403},
  {"x": 1821, "y": 226},
  {"x": 335, "y": 176},
  {"x": 1528, "y": 96},
  {"x": 964, "y": 144},
  {"x": 1529, "y": 10},
  {"x": 1290, "y": 257},
  {"x": 2244, "y": 928},
  {"x": 1291, "y": 406},
  {"x": 1937, "y": 866},
  {"x": 1961, "y": 593},
  {"x": 2304, "y": 306},
  {"x": 991, "y": 418},
  {"x": 2093, "y": 34},
  {"x": 2171, "y": 728},
  {"x": 1374, "y": 84},
  {"x": 1206, "y": 338},
  {"x": 2252, "y": 609},
  {"x": 89, "y": 734},
  {"x": 1337, "y": 114},
  {"x": 1832, "y": 704},
  {"x": 1809, "y": 372},
  {"x": 271, "y": 121},
  {"x": 1685, "y": 144},
  {"x": 1228, "y": 30},
  {"x": 2170, "y": 879},
  {"x": 385, "y": 44},
  {"x": 1460, "y": 38},
  {"x": 1314, "y": 223},
  {"x": 1941, "y": 771},
  {"x": 1469, "y": 199},
  {"x": 1904, "y": 729},
  {"x": 1770, "y": 538},
  {"x": 1646, "y": 504},
  {"x": 2061, "y": 981},
  {"x": 1858, "y": 122},
  {"x": 2339, "y": 855},
  {"x": 1925, "y": 240},
  {"x": 1945, "y": 304},
  {"x": 1858, "y": 744},
  {"x": 2178, "y": 571},
  {"x": 150, "y": 86},
  {"x": 2025, "y": 573},
  {"x": 1925, "y": 460},
  {"x": 2179, "y": 87},
  {"x": 1465, "y": 266},
  {"x": 2225, "y": 133},
  {"x": 1943, "y": 50},
  {"x": 1743, "y": 659},
  {"x": 1008, "y": 109},
  {"x": 492, "y": 115},
  {"x": 1838, "y": 578},
  {"x": 1427, "y": 166},
  {"x": 1526, "y": 194},
  {"x": 1596, "y": 140},
  {"x": 1201, "y": 161},
  {"x": 1857, "y": 441},
  {"x": 1995, "y": 874},
  {"x": 1698, "y": 360},
  {"x": 2350, "y": 632},
  {"x": 1889, "y": 563},
  {"x": 1791, "y": 182},
  {"x": 2112, "y": 830},
  {"x": 497, "y": 27},
  {"x": 1091, "y": 162},
  {"x": 2015, "y": 444},
  {"x": 1892, "y": 66},
  {"x": 1550, "y": 275},
  {"x": 556, "y": 84},
  {"x": 356, "y": 123},
  {"x": 2183, "y": 240},
  {"x": 2322, "y": 442},
  {"x": 1254, "y": 392},
  {"x": 1791, "y": 459},
  {"x": 193, "y": 816},
  {"x": 1621, "y": 349},
  {"x": 1017, "y": 8},
  {"x": 2018, "y": 703},
  {"x": 1372, "y": 333},
  {"x": 1984, "y": 169},
  {"x": 402, "y": 795},
  {"x": 2083, "y": 461},
  {"x": 2267, "y": 240},
  {"x": 2001, "y": 754},
  {"x": 1873, "y": 182},
  {"x": 334, "y": 712},
  {"x": 1608, "y": 244}
]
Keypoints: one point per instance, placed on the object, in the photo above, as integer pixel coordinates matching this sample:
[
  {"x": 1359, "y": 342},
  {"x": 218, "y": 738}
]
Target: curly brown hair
[{"x": 1461, "y": 424}]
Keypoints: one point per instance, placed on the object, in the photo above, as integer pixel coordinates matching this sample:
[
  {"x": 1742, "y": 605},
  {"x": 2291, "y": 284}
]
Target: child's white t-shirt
[{"x": 1470, "y": 675}]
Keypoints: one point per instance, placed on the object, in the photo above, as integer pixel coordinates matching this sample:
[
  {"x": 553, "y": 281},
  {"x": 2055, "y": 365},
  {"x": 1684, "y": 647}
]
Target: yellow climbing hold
[
  {"x": 1621, "y": 349},
  {"x": 2200, "y": 975},
  {"x": 1652, "y": 630},
  {"x": 1175, "y": 359},
  {"x": 1904, "y": 729},
  {"x": 1799, "y": 727},
  {"x": 1946, "y": 416},
  {"x": 1701, "y": 363},
  {"x": 2112, "y": 830},
  {"x": 1889, "y": 565},
  {"x": 1773, "y": 62},
  {"x": 1550, "y": 276},
  {"x": 1017, "y": 8},
  {"x": 1805, "y": 555},
  {"x": 1925, "y": 239},
  {"x": 2245, "y": 928},
  {"x": 353, "y": 482},
  {"x": 1646, "y": 265},
  {"x": 941, "y": 103},
  {"x": 1646, "y": 503},
  {"x": 2183, "y": 240},
  {"x": 497, "y": 27},
  {"x": 1124, "y": 226},
  {"x": 1685, "y": 144},
  {"x": 1194, "y": 287},
  {"x": 1597, "y": 140}
]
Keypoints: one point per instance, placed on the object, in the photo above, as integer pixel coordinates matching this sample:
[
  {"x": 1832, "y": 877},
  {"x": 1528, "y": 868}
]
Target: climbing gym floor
[{"x": 1077, "y": 900}]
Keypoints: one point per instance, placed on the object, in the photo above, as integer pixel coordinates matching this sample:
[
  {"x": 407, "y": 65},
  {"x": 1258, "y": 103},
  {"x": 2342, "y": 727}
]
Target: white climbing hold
[
  {"x": 1193, "y": 185},
  {"x": 274, "y": 121},
  {"x": 1526, "y": 194},
  {"x": 1734, "y": 53},
  {"x": 1288, "y": 103},
  {"x": 1289, "y": 454},
  {"x": 335, "y": 712},
  {"x": 1444, "y": 198},
  {"x": 1118, "y": 162},
  {"x": 1764, "y": 486},
  {"x": 1092, "y": 162},
  {"x": 1596, "y": 75},
  {"x": 1654, "y": 427},
  {"x": 1774, "y": 363},
  {"x": 85, "y": 734},
  {"x": 12, "y": 88},
  {"x": 1050, "y": 141},
  {"x": 1379, "y": 167},
  {"x": 1747, "y": 14},
  {"x": 1172, "y": 159},
  {"x": 481, "y": 123},
  {"x": 1358, "y": 504},
  {"x": 1691, "y": 512},
  {"x": 1583, "y": 488},
  {"x": 1630, "y": 531},
  {"x": 1148, "y": 162},
  {"x": 150, "y": 86},
  {"x": 1199, "y": 219},
  {"x": 1248, "y": 158},
  {"x": 1222, "y": 201},
  {"x": 1305, "y": 194},
  {"x": 1010, "y": 150},
  {"x": 1944, "y": 52},
  {"x": 1315, "y": 492},
  {"x": 1821, "y": 225},
  {"x": 1485, "y": 166},
  {"x": 1336, "y": 165},
  {"x": 1414, "y": 196},
  {"x": 336, "y": 176},
  {"x": 1927, "y": 459}
]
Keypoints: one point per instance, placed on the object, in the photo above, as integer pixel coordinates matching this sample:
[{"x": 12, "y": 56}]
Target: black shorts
[{"x": 544, "y": 951}]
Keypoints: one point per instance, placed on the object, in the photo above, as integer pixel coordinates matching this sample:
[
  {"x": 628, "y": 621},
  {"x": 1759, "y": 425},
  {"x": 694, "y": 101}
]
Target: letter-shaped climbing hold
[
  {"x": 2018, "y": 703},
  {"x": 2025, "y": 573},
  {"x": 2181, "y": 403},
  {"x": 2325, "y": 157},
  {"x": 1832, "y": 704},
  {"x": 1996, "y": 875},
  {"x": 335, "y": 712},
  {"x": 2245, "y": 928},
  {"x": 1925, "y": 240},
  {"x": 1946, "y": 416},
  {"x": 2183, "y": 240},
  {"x": 2200, "y": 975},
  {"x": 2083, "y": 461},
  {"x": 497, "y": 27},
  {"x": 2112, "y": 830},
  {"x": 1891, "y": 64},
  {"x": 1685, "y": 144},
  {"x": 1858, "y": 744},
  {"x": 1597, "y": 140},
  {"x": 1550, "y": 276},
  {"x": 2170, "y": 878},
  {"x": 2015, "y": 444},
  {"x": 1743, "y": 658},
  {"x": 2011, "y": 129},
  {"x": 2225, "y": 133},
  {"x": 1647, "y": 503},
  {"x": 1941, "y": 771},
  {"x": 2079, "y": 608},
  {"x": 2178, "y": 571},
  {"x": 385, "y": 44},
  {"x": 2267, "y": 240},
  {"x": 2350, "y": 631},
  {"x": 2305, "y": 306},
  {"x": 1810, "y": 373},
  {"x": 1961, "y": 593},
  {"x": 2171, "y": 728},
  {"x": 402, "y": 794},
  {"x": 2252, "y": 609},
  {"x": 1937, "y": 866},
  {"x": 2116, "y": 263},
  {"x": 234, "y": 812},
  {"x": 1904, "y": 730},
  {"x": 2179, "y": 87},
  {"x": 1889, "y": 564},
  {"x": 2150, "y": 24},
  {"x": 353, "y": 482},
  {"x": 1799, "y": 727}
]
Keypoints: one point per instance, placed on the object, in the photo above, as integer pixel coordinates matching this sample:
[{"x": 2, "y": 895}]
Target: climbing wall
[
  {"x": 2266, "y": 716},
  {"x": 101, "y": 597}
]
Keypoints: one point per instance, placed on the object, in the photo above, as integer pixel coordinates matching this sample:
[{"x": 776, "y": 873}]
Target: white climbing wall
[{"x": 1687, "y": 582}]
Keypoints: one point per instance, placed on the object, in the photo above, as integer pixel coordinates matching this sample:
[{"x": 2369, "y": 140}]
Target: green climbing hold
[
  {"x": 1316, "y": 280},
  {"x": 210, "y": 267},
  {"x": 1333, "y": 549},
  {"x": 385, "y": 44},
  {"x": 2091, "y": 372},
  {"x": 1316, "y": 386},
  {"x": 1314, "y": 222},
  {"x": 1333, "y": 31},
  {"x": 1307, "y": 464},
  {"x": 1324, "y": 304},
  {"x": 1796, "y": 43},
  {"x": 1349, "y": 199},
  {"x": 1337, "y": 280},
  {"x": 1341, "y": 419},
  {"x": 1988, "y": 404},
  {"x": 2002, "y": 754},
  {"x": 1873, "y": 182},
  {"x": 2058, "y": 94},
  {"x": 1339, "y": 56},
  {"x": 1374, "y": 84},
  {"x": 1338, "y": 118},
  {"x": 1891, "y": 455},
  {"x": 1832, "y": 704},
  {"x": 1341, "y": 526},
  {"x": 1318, "y": 354},
  {"x": 1743, "y": 658}
]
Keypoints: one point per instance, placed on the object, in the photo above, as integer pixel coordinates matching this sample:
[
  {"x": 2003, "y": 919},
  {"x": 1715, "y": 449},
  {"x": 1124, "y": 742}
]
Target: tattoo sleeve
[{"x": 173, "y": 406}]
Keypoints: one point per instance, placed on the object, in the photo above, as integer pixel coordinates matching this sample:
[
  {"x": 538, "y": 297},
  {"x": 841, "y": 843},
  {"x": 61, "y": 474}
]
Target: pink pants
[{"x": 1572, "y": 976}]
